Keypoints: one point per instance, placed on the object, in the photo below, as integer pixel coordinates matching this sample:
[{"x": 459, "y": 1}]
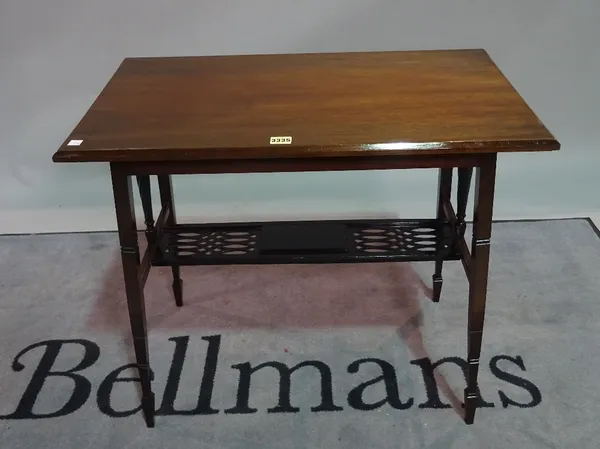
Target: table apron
[{"x": 300, "y": 164}]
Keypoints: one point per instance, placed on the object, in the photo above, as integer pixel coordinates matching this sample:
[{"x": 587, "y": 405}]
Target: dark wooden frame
[{"x": 475, "y": 260}]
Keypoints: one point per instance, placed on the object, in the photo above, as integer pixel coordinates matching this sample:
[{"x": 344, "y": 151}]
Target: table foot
[
  {"x": 177, "y": 286},
  {"x": 437, "y": 282},
  {"x": 443, "y": 251},
  {"x": 148, "y": 409},
  {"x": 470, "y": 405}
]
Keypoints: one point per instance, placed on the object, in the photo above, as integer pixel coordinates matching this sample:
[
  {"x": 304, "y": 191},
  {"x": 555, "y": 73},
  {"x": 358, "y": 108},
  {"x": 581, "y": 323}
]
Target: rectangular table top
[{"x": 305, "y": 105}]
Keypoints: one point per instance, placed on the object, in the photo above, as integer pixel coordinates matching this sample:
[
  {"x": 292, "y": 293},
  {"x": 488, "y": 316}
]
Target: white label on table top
[
  {"x": 281, "y": 140},
  {"x": 74, "y": 143}
]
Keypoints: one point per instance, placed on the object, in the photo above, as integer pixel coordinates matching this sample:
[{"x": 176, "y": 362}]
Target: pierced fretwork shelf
[{"x": 339, "y": 241}]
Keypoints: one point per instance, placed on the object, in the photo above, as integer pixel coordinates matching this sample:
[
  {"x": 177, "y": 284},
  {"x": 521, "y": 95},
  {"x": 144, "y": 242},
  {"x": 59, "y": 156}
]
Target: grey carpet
[{"x": 371, "y": 327}]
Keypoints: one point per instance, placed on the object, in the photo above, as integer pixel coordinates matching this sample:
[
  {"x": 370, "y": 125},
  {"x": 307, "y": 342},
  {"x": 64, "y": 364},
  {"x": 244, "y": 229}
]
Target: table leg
[
  {"x": 444, "y": 193},
  {"x": 130, "y": 256},
  {"x": 462, "y": 197},
  {"x": 480, "y": 253},
  {"x": 143, "y": 182},
  {"x": 166, "y": 198}
]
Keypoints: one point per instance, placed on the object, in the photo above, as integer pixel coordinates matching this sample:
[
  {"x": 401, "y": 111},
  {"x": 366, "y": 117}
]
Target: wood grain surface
[{"x": 318, "y": 105}]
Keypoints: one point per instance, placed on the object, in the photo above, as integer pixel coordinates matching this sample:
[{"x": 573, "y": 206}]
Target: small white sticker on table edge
[
  {"x": 280, "y": 140},
  {"x": 74, "y": 143}
]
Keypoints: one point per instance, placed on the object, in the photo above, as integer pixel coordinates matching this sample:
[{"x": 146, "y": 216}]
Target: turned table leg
[
  {"x": 130, "y": 256},
  {"x": 143, "y": 182},
  {"x": 444, "y": 194},
  {"x": 480, "y": 253},
  {"x": 166, "y": 198}
]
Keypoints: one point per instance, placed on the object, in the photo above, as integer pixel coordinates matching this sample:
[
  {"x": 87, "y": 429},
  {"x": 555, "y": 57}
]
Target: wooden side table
[{"x": 306, "y": 112}]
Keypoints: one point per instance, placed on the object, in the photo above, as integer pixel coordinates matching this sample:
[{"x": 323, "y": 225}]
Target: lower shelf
[{"x": 338, "y": 241}]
